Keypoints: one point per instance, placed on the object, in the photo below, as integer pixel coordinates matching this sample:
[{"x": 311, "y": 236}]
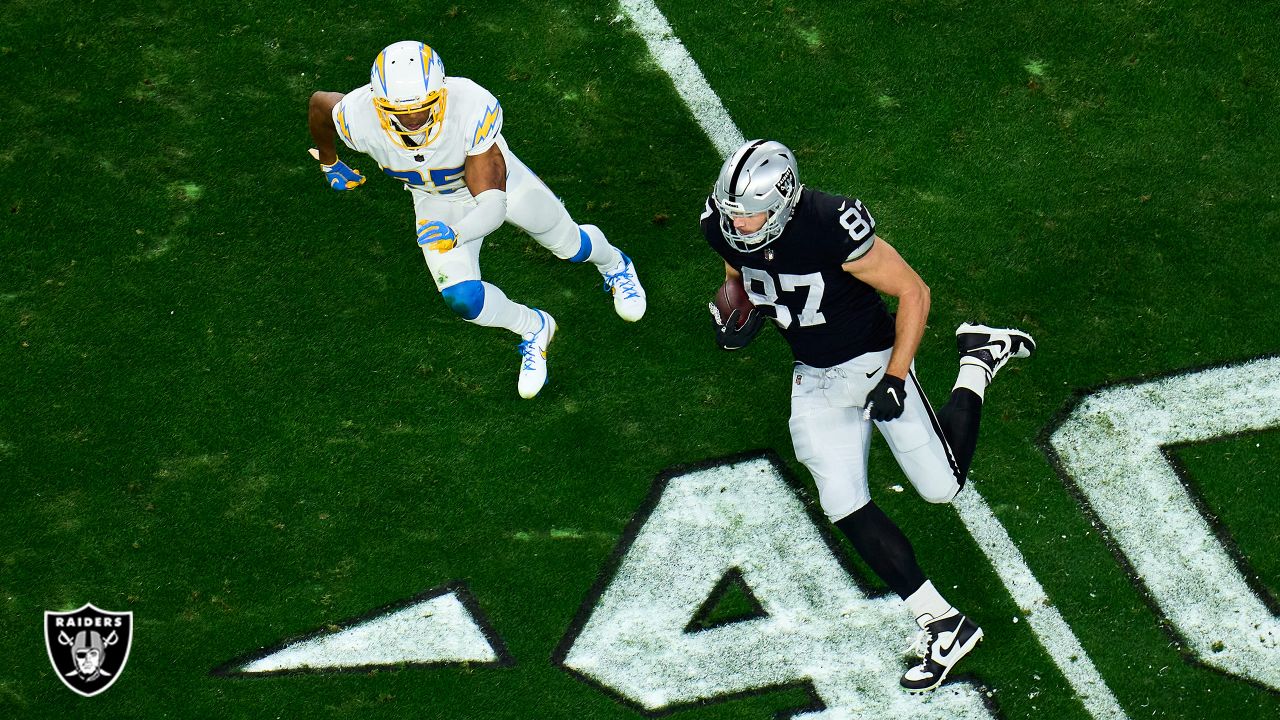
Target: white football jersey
[{"x": 472, "y": 124}]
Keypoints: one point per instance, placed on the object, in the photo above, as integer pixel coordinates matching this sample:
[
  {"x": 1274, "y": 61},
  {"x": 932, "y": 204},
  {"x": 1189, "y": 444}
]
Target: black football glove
[
  {"x": 885, "y": 400},
  {"x": 731, "y": 337}
]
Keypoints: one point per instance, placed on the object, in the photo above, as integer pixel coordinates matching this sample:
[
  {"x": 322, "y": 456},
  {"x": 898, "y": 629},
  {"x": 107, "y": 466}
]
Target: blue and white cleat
[
  {"x": 533, "y": 356},
  {"x": 628, "y": 296}
]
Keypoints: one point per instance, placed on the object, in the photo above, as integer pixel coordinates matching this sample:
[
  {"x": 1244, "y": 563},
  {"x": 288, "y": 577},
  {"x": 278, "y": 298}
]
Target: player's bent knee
[
  {"x": 566, "y": 240},
  {"x": 840, "y": 495},
  {"x": 940, "y": 495},
  {"x": 930, "y": 473},
  {"x": 466, "y": 298},
  {"x": 838, "y": 514}
]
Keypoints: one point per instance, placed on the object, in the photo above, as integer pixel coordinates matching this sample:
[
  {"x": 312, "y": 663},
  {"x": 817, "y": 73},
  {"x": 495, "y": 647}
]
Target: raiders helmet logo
[
  {"x": 88, "y": 647},
  {"x": 786, "y": 184}
]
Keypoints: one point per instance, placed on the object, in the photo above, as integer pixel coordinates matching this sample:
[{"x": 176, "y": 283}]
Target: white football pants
[
  {"x": 833, "y": 441},
  {"x": 531, "y": 206}
]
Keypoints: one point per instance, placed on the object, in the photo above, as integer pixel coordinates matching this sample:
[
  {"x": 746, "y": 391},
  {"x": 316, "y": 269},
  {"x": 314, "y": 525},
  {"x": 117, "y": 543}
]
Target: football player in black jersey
[{"x": 814, "y": 264}]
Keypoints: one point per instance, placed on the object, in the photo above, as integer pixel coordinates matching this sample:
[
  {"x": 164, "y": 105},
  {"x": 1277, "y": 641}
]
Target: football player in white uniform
[
  {"x": 442, "y": 137},
  {"x": 813, "y": 263}
]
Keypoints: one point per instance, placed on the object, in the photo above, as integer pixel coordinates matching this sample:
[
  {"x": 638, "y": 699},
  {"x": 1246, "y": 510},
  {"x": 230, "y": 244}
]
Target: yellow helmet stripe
[
  {"x": 426, "y": 63},
  {"x": 380, "y": 64}
]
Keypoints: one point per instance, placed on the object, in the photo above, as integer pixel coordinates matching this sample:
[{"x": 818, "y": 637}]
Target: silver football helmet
[{"x": 759, "y": 177}]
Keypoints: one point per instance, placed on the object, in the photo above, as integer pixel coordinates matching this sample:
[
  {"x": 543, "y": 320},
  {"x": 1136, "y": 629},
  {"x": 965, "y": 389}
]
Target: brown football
[{"x": 732, "y": 296}]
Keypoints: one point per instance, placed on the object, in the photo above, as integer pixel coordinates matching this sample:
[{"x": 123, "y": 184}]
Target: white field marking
[
  {"x": 1111, "y": 446},
  {"x": 438, "y": 630},
  {"x": 1056, "y": 637},
  {"x": 819, "y": 627},
  {"x": 674, "y": 59},
  {"x": 1046, "y": 622},
  {"x": 562, "y": 534}
]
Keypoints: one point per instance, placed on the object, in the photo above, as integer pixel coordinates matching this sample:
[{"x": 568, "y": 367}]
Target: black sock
[
  {"x": 960, "y": 419},
  {"x": 883, "y": 546}
]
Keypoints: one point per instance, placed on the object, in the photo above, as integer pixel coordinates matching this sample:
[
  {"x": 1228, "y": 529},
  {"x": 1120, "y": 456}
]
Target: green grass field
[{"x": 232, "y": 402}]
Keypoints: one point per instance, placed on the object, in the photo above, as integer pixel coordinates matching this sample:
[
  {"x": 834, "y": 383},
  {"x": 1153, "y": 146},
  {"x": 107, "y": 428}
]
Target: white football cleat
[
  {"x": 628, "y": 296},
  {"x": 942, "y": 642},
  {"x": 533, "y": 356},
  {"x": 990, "y": 348}
]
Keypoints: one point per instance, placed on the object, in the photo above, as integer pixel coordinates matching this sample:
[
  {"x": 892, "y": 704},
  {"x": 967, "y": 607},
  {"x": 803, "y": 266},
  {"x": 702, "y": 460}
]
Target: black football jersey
[{"x": 827, "y": 315}]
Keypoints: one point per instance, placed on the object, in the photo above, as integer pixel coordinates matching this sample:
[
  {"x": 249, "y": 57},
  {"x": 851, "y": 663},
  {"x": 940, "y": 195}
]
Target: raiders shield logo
[
  {"x": 88, "y": 647},
  {"x": 786, "y": 184}
]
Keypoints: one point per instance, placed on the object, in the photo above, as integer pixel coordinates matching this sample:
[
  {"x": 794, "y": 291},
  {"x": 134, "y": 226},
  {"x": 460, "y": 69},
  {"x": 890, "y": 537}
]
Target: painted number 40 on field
[{"x": 641, "y": 635}]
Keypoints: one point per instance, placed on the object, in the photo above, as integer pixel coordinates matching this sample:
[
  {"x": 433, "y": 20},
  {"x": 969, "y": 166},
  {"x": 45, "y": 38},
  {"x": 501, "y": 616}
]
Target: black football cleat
[
  {"x": 990, "y": 348},
  {"x": 941, "y": 644}
]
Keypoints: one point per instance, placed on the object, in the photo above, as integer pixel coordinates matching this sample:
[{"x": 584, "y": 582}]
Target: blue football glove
[
  {"x": 341, "y": 176},
  {"x": 435, "y": 235}
]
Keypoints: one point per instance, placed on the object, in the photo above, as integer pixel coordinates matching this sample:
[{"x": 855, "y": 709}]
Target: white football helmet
[
  {"x": 408, "y": 80},
  {"x": 760, "y": 176}
]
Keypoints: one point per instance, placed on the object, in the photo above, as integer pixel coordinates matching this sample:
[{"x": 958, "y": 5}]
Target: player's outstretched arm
[
  {"x": 320, "y": 120},
  {"x": 884, "y": 269},
  {"x": 486, "y": 178}
]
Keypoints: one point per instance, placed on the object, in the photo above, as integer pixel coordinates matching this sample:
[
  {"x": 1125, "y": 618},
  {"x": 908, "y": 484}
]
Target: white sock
[
  {"x": 972, "y": 377},
  {"x": 603, "y": 255},
  {"x": 499, "y": 311},
  {"x": 927, "y": 601}
]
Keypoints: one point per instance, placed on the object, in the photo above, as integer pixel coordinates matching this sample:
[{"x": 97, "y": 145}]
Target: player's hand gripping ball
[{"x": 736, "y": 319}]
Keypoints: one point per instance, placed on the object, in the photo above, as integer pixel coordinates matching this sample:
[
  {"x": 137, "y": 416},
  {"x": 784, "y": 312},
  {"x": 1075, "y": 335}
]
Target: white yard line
[
  {"x": 669, "y": 52},
  {"x": 1045, "y": 621}
]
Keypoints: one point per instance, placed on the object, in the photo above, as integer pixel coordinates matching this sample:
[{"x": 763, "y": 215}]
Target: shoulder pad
[
  {"x": 709, "y": 210},
  {"x": 710, "y": 222},
  {"x": 852, "y": 227},
  {"x": 344, "y": 128},
  {"x": 487, "y": 128},
  {"x": 343, "y": 112},
  {"x": 480, "y": 114}
]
